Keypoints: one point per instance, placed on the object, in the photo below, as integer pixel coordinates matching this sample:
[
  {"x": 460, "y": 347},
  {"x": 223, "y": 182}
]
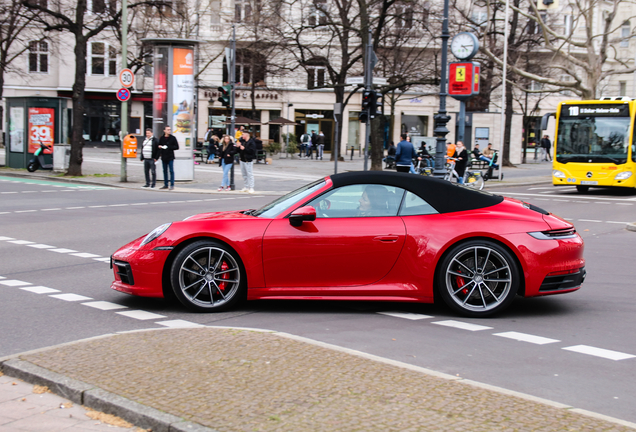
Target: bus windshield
[{"x": 593, "y": 139}]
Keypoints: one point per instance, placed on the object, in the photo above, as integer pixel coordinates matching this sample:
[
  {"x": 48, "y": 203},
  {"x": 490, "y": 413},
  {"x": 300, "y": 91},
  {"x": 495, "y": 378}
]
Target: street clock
[{"x": 464, "y": 45}]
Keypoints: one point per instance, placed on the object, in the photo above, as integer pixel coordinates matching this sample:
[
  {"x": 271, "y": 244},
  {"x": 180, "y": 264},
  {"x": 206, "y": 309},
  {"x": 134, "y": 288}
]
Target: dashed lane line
[
  {"x": 523, "y": 337},
  {"x": 71, "y": 297},
  {"x": 599, "y": 352},
  {"x": 179, "y": 324},
  {"x": 14, "y": 283},
  {"x": 406, "y": 315},
  {"x": 104, "y": 305},
  {"x": 40, "y": 289},
  {"x": 462, "y": 325},
  {"x": 140, "y": 315}
]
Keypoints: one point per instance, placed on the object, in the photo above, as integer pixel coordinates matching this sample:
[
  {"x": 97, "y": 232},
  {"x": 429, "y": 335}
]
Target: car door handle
[{"x": 387, "y": 239}]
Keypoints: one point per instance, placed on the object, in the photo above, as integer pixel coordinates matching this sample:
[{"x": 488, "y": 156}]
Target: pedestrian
[
  {"x": 149, "y": 155},
  {"x": 239, "y": 132},
  {"x": 461, "y": 154},
  {"x": 247, "y": 152},
  {"x": 167, "y": 145},
  {"x": 227, "y": 150},
  {"x": 258, "y": 143},
  {"x": 213, "y": 148},
  {"x": 404, "y": 155},
  {"x": 304, "y": 140},
  {"x": 321, "y": 145},
  {"x": 313, "y": 144},
  {"x": 545, "y": 149}
]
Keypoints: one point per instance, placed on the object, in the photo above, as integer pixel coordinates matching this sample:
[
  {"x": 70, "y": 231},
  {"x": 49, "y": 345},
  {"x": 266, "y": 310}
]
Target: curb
[
  {"x": 631, "y": 226},
  {"x": 96, "y": 398},
  {"x": 146, "y": 417}
]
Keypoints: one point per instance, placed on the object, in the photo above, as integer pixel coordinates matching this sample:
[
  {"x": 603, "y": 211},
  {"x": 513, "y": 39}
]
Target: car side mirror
[{"x": 307, "y": 213}]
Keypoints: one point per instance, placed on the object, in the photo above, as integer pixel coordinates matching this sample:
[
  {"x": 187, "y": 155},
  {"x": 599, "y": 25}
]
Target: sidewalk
[
  {"x": 102, "y": 166},
  {"x": 223, "y": 379}
]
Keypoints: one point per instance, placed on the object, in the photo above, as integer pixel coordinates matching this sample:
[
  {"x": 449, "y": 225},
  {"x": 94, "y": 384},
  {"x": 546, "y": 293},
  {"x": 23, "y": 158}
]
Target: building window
[
  {"x": 168, "y": 8},
  {"x": 103, "y": 59},
  {"x": 318, "y": 14},
  {"x": 622, "y": 88},
  {"x": 479, "y": 18},
  {"x": 625, "y": 33},
  {"x": 250, "y": 67},
  {"x": 566, "y": 78},
  {"x": 536, "y": 86},
  {"x": 567, "y": 25},
  {"x": 404, "y": 17},
  {"x": 103, "y": 6},
  {"x": 38, "y": 56},
  {"x": 316, "y": 76}
]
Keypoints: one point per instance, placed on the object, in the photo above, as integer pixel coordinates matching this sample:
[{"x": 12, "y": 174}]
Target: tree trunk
[
  {"x": 339, "y": 93},
  {"x": 377, "y": 143},
  {"x": 77, "y": 140}
]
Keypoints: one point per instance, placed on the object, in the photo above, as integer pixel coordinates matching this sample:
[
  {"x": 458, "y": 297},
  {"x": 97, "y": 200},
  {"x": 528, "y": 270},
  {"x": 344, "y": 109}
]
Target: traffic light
[
  {"x": 375, "y": 106},
  {"x": 363, "y": 116},
  {"x": 367, "y": 96},
  {"x": 225, "y": 97}
]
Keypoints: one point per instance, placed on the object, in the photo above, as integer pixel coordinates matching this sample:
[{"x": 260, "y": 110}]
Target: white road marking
[
  {"x": 140, "y": 315},
  {"x": 615, "y": 222},
  {"x": 40, "y": 290},
  {"x": 624, "y": 204},
  {"x": 178, "y": 324},
  {"x": 6, "y": 193},
  {"x": 6, "y": 238},
  {"x": 599, "y": 352},
  {"x": 24, "y": 211},
  {"x": 40, "y": 246},
  {"x": 107, "y": 260},
  {"x": 104, "y": 305},
  {"x": 117, "y": 205},
  {"x": 85, "y": 255},
  {"x": 524, "y": 337},
  {"x": 589, "y": 220},
  {"x": 62, "y": 250},
  {"x": 71, "y": 297},
  {"x": 20, "y": 242},
  {"x": 97, "y": 206},
  {"x": 51, "y": 209},
  {"x": 139, "y": 204},
  {"x": 14, "y": 283},
  {"x": 561, "y": 200},
  {"x": 462, "y": 325},
  {"x": 74, "y": 208},
  {"x": 406, "y": 315}
]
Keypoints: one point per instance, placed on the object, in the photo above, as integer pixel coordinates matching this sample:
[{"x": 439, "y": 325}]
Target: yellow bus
[{"x": 594, "y": 144}]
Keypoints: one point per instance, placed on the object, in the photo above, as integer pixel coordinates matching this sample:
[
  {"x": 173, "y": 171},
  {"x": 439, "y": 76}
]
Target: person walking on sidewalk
[
  {"x": 247, "y": 152},
  {"x": 321, "y": 146},
  {"x": 149, "y": 155},
  {"x": 545, "y": 149},
  {"x": 226, "y": 159},
  {"x": 404, "y": 155},
  {"x": 167, "y": 145}
]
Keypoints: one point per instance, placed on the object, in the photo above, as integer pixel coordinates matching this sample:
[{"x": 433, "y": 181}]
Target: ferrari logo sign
[
  {"x": 460, "y": 74},
  {"x": 463, "y": 80}
]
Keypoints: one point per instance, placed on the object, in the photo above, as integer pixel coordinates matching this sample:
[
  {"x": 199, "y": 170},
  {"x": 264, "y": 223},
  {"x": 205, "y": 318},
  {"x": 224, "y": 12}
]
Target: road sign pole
[
  {"x": 232, "y": 99},
  {"x": 124, "y": 105},
  {"x": 368, "y": 85}
]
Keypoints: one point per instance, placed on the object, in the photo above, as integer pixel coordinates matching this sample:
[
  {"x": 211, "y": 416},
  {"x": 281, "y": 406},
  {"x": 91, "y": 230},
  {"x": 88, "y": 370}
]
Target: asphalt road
[{"x": 577, "y": 349}]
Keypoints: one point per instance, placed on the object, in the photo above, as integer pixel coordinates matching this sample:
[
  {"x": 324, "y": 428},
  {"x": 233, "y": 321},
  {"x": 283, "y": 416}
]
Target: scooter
[
  {"x": 491, "y": 167},
  {"x": 38, "y": 159}
]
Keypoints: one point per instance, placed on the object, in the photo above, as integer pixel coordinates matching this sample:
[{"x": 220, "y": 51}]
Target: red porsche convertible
[{"x": 365, "y": 236}]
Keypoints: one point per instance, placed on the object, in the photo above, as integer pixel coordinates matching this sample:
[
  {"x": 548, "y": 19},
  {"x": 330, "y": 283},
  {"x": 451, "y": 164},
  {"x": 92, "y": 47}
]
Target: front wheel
[
  {"x": 478, "y": 278},
  {"x": 475, "y": 181},
  {"x": 32, "y": 166},
  {"x": 207, "y": 276}
]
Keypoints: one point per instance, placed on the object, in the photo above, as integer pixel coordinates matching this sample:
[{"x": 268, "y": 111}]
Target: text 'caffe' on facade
[{"x": 173, "y": 100}]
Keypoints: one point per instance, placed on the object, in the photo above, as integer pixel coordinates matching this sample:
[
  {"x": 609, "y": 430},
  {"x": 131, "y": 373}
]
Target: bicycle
[{"x": 472, "y": 179}]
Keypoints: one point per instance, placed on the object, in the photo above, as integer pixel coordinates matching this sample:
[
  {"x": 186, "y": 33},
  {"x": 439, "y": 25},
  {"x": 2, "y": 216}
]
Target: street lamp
[
  {"x": 287, "y": 138},
  {"x": 441, "y": 118}
]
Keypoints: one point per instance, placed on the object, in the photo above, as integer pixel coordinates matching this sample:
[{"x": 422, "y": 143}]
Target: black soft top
[{"x": 442, "y": 195}]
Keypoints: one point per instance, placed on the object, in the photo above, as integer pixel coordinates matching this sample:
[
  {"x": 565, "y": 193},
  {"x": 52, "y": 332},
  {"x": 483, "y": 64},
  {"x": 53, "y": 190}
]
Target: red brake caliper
[
  {"x": 460, "y": 282},
  {"x": 224, "y": 267}
]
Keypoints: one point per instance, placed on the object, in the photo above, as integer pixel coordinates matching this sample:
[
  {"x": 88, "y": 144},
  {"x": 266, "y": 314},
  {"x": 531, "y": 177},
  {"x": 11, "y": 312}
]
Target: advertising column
[
  {"x": 182, "y": 110},
  {"x": 41, "y": 129}
]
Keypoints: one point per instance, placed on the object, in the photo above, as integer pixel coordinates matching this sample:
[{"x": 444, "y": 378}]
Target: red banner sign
[
  {"x": 41, "y": 128},
  {"x": 460, "y": 79},
  {"x": 477, "y": 71}
]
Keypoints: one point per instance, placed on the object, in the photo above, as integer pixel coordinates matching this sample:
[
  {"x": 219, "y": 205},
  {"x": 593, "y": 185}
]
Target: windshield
[
  {"x": 273, "y": 209},
  {"x": 593, "y": 139}
]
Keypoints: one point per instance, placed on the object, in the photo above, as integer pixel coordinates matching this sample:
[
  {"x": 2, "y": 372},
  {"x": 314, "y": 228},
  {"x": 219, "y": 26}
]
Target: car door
[{"x": 341, "y": 248}]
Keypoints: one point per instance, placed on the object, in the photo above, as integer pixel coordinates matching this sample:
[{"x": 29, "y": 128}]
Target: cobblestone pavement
[
  {"x": 246, "y": 380},
  {"x": 28, "y": 408}
]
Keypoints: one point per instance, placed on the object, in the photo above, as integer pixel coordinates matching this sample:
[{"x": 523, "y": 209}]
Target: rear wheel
[
  {"x": 208, "y": 276},
  {"x": 478, "y": 278},
  {"x": 582, "y": 189}
]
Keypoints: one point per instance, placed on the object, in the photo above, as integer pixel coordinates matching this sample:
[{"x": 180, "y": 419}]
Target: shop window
[
  {"x": 38, "y": 57},
  {"x": 103, "y": 59}
]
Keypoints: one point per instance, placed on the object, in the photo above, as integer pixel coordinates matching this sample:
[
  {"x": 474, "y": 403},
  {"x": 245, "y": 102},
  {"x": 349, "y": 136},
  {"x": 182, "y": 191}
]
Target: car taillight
[{"x": 554, "y": 234}]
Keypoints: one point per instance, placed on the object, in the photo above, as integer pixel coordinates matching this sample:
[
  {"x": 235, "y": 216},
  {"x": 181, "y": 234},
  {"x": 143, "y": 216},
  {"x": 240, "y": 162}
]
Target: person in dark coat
[
  {"x": 461, "y": 154},
  {"x": 227, "y": 150},
  {"x": 247, "y": 152},
  {"x": 545, "y": 148},
  {"x": 404, "y": 155},
  {"x": 150, "y": 155},
  {"x": 167, "y": 145}
]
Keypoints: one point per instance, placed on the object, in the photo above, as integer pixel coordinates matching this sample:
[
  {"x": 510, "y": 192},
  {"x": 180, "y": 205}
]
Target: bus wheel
[{"x": 582, "y": 189}]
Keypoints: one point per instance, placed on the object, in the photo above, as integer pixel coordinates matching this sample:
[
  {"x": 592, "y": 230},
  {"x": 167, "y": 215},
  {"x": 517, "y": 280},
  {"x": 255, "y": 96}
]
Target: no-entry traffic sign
[{"x": 123, "y": 94}]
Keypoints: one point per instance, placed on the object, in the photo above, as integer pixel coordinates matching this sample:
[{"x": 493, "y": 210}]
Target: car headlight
[
  {"x": 155, "y": 233},
  {"x": 558, "y": 174},
  {"x": 623, "y": 175}
]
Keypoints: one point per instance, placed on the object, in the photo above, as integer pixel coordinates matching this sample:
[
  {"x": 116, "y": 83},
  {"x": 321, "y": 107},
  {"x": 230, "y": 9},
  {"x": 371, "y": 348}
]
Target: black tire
[
  {"x": 198, "y": 276},
  {"x": 478, "y": 290},
  {"x": 32, "y": 167},
  {"x": 582, "y": 189}
]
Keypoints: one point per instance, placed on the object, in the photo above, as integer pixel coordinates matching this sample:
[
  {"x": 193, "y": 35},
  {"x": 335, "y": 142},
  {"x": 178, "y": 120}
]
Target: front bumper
[{"x": 139, "y": 271}]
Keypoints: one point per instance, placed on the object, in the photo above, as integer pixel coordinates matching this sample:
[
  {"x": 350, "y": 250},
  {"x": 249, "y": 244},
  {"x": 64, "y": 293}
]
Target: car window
[
  {"x": 364, "y": 200},
  {"x": 274, "y": 208},
  {"x": 414, "y": 205}
]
